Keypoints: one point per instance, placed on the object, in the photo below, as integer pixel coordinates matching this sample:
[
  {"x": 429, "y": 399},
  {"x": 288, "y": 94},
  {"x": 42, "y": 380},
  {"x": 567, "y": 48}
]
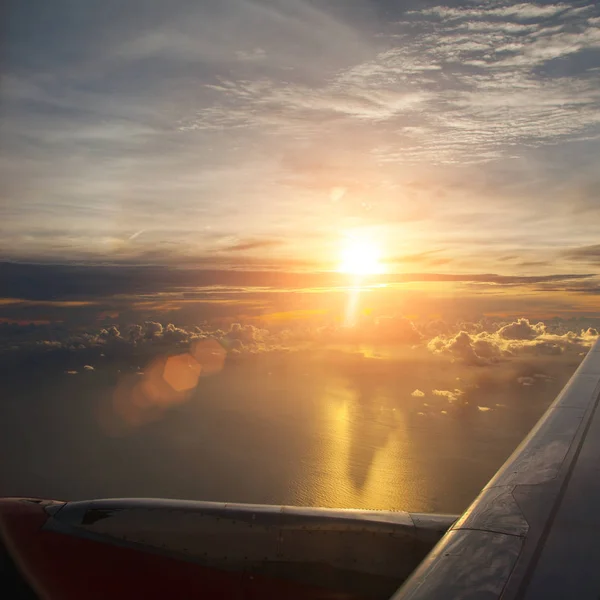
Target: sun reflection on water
[{"x": 364, "y": 453}]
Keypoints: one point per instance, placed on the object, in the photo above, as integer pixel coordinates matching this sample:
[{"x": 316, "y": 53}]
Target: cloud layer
[
  {"x": 484, "y": 347},
  {"x": 461, "y": 84},
  {"x": 483, "y": 343}
]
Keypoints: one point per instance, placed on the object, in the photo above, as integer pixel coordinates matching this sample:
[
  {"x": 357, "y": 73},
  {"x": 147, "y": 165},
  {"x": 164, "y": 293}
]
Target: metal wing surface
[{"x": 533, "y": 532}]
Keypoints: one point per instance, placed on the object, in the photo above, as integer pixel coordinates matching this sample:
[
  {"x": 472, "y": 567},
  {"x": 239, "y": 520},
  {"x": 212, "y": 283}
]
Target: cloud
[
  {"x": 451, "y": 395},
  {"x": 488, "y": 94},
  {"x": 175, "y": 334},
  {"x": 207, "y": 140},
  {"x": 521, "y": 330},
  {"x": 523, "y": 11},
  {"x": 380, "y": 341},
  {"x": 252, "y": 245},
  {"x": 586, "y": 254},
  {"x": 257, "y": 54},
  {"x": 513, "y": 339},
  {"x": 136, "y": 235},
  {"x": 473, "y": 350},
  {"x": 92, "y": 283},
  {"x": 447, "y": 92},
  {"x": 153, "y": 330}
]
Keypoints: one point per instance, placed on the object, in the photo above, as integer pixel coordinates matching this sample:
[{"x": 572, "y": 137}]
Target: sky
[
  {"x": 463, "y": 137},
  {"x": 384, "y": 214}
]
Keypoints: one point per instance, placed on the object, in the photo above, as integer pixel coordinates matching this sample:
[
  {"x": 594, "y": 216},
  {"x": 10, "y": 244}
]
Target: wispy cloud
[
  {"x": 136, "y": 235},
  {"x": 585, "y": 254},
  {"x": 244, "y": 245},
  {"x": 432, "y": 127},
  {"x": 520, "y": 12},
  {"x": 460, "y": 84}
]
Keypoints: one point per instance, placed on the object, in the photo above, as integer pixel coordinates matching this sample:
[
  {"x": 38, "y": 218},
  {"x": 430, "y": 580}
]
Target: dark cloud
[
  {"x": 587, "y": 254},
  {"x": 535, "y": 263},
  {"x": 587, "y": 290},
  {"x": 589, "y": 286},
  {"x": 65, "y": 282}
]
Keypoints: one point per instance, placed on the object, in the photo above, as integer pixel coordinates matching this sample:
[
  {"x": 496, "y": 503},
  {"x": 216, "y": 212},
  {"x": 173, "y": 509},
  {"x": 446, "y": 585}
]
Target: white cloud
[
  {"x": 521, "y": 330},
  {"x": 464, "y": 88},
  {"x": 513, "y": 339},
  {"x": 483, "y": 344},
  {"x": 451, "y": 395},
  {"x": 523, "y": 11},
  {"x": 418, "y": 393},
  {"x": 481, "y": 94}
]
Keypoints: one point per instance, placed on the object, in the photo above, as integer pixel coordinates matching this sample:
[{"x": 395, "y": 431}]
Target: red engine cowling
[{"x": 179, "y": 549}]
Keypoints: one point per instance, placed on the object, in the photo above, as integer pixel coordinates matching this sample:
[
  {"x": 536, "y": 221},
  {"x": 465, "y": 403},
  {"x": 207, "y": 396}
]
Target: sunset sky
[
  {"x": 383, "y": 214},
  {"x": 463, "y": 137},
  {"x": 452, "y": 143}
]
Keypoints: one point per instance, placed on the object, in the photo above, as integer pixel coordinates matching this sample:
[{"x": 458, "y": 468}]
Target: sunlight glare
[{"x": 361, "y": 257}]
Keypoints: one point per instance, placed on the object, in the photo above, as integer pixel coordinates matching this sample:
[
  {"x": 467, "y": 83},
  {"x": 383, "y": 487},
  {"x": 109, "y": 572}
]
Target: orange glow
[
  {"x": 166, "y": 381},
  {"x": 7, "y": 301},
  {"x": 209, "y": 355},
  {"x": 181, "y": 372}
]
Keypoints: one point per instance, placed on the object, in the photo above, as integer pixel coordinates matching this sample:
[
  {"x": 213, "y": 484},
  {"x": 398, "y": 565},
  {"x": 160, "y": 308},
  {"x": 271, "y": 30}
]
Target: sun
[{"x": 361, "y": 257}]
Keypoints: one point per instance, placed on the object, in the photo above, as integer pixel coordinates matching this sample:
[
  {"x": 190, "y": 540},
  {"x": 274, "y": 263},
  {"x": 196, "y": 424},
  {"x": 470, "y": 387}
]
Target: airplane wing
[
  {"x": 530, "y": 534},
  {"x": 533, "y": 532}
]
